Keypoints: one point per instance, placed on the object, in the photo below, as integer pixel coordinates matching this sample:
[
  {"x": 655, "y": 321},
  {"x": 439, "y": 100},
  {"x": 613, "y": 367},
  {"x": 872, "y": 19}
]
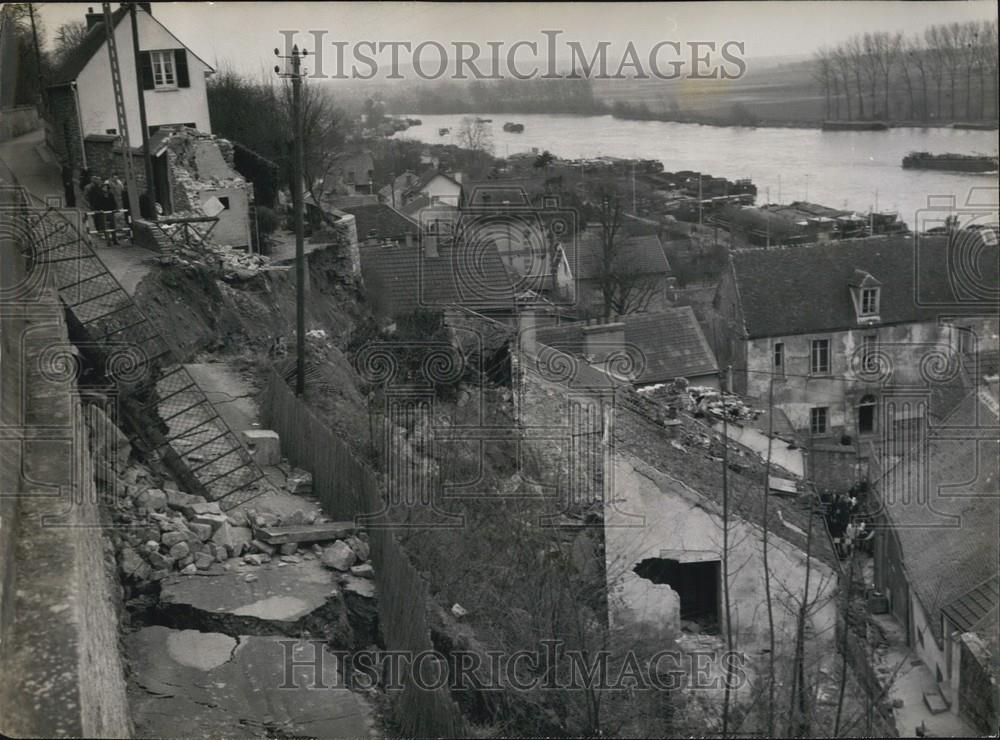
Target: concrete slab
[
  {"x": 276, "y": 601},
  {"x": 231, "y": 395},
  {"x": 196, "y": 684}
]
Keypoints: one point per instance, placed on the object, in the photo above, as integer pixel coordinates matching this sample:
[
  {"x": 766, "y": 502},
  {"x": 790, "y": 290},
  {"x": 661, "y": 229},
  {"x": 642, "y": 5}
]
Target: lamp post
[{"x": 297, "y": 167}]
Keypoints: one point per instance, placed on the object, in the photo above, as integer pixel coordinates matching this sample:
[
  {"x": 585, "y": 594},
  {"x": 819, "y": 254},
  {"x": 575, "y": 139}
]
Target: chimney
[
  {"x": 93, "y": 18},
  {"x": 601, "y": 340},
  {"x": 526, "y": 325}
]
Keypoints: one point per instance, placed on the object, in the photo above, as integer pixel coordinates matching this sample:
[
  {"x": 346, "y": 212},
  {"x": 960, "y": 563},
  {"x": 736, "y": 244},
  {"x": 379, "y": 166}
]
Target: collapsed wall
[{"x": 204, "y": 181}]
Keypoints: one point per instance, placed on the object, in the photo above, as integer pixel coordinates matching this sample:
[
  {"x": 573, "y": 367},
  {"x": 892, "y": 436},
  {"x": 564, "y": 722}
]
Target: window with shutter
[
  {"x": 164, "y": 70},
  {"x": 180, "y": 60}
]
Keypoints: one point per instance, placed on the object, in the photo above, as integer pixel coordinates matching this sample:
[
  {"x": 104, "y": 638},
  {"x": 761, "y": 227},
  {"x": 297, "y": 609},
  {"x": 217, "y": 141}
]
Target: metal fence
[
  {"x": 162, "y": 402},
  {"x": 347, "y": 488}
]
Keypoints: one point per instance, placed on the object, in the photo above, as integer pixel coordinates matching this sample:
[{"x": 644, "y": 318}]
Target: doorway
[
  {"x": 867, "y": 415},
  {"x": 697, "y": 584}
]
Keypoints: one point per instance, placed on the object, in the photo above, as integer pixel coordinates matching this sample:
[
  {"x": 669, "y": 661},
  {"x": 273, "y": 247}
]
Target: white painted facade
[
  {"x": 443, "y": 189},
  {"x": 173, "y": 106}
]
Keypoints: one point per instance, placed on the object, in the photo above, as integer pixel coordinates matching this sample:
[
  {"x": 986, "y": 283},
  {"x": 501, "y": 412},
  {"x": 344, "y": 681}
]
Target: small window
[
  {"x": 164, "y": 76},
  {"x": 869, "y": 350},
  {"x": 819, "y": 361},
  {"x": 867, "y": 409},
  {"x": 111, "y": 131},
  {"x": 779, "y": 358},
  {"x": 818, "y": 420},
  {"x": 224, "y": 200},
  {"x": 869, "y": 301}
]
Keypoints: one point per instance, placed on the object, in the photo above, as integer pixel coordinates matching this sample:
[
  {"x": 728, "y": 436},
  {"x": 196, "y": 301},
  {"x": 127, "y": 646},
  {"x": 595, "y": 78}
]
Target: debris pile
[
  {"x": 159, "y": 529},
  {"x": 700, "y": 400}
]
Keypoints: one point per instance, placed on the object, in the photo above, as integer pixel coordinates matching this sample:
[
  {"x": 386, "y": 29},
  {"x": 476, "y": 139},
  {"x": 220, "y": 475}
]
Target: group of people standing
[
  {"x": 106, "y": 202},
  {"x": 845, "y": 523}
]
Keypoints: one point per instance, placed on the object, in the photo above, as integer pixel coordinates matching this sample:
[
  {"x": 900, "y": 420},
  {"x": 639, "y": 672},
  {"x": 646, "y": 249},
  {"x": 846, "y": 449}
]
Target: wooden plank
[{"x": 304, "y": 532}]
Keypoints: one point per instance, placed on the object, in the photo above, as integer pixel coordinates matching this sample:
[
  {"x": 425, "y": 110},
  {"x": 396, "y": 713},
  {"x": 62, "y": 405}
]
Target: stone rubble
[{"x": 160, "y": 530}]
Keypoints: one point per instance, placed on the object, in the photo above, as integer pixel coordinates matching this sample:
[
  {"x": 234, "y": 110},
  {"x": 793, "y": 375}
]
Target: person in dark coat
[
  {"x": 95, "y": 202},
  {"x": 69, "y": 187}
]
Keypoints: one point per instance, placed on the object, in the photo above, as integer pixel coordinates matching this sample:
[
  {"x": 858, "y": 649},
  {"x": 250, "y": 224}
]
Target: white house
[{"x": 81, "y": 97}]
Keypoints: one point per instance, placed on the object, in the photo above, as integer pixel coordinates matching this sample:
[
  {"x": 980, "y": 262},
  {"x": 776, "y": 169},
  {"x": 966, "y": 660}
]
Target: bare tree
[
  {"x": 68, "y": 38},
  {"x": 988, "y": 53},
  {"x": 842, "y": 61},
  {"x": 624, "y": 288},
  {"x": 475, "y": 135},
  {"x": 322, "y": 133},
  {"x": 823, "y": 74},
  {"x": 916, "y": 55},
  {"x": 870, "y": 43},
  {"x": 855, "y": 53},
  {"x": 952, "y": 36}
]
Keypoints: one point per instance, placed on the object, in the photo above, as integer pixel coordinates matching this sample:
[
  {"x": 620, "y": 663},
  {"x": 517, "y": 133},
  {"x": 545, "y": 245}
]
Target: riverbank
[
  {"x": 714, "y": 121},
  {"x": 859, "y": 171}
]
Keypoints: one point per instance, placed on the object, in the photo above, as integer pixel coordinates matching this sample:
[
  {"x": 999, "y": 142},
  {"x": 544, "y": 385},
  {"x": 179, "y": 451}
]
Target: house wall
[
  {"x": 233, "y": 227},
  {"x": 978, "y": 700},
  {"x": 444, "y": 190},
  {"x": 933, "y": 655},
  {"x": 647, "y": 511},
  {"x": 904, "y": 347},
  {"x": 62, "y": 127},
  {"x": 725, "y": 331},
  {"x": 97, "y": 103},
  {"x": 674, "y": 517}
]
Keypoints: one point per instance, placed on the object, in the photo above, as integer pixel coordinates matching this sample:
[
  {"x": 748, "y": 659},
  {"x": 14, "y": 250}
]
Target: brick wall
[
  {"x": 104, "y": 158},
  {"x": 978, "y": 698}
]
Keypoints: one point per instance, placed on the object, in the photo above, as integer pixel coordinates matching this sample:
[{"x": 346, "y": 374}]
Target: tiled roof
[
  {"x": 400, "y": 281},
  {"x": 670, "y": 341},
  {"x": 381, "y": 221},
  {"x": 429, "y": 174},
  {"x": 942, "y": 501},
  {"x": 804, "y": 289},
  {"x": 73, "y": 65},
  {"x": 972, "y": 608},
  {"x": 638, "y": 255}
]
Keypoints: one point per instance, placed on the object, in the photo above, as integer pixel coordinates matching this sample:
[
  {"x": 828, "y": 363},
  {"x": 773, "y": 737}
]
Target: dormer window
[
  {"x": 869, "y": 301},
  {"x": 865, "y": 293}
]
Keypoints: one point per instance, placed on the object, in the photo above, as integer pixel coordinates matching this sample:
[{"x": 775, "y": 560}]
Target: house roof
[
  {"x": 92, "y": 42},
  {"x": 638, "y": 255},
  {"x": 429, "y": 174},
  {"x": 400, "y": 280},
  {"x": 665, "y": 344},
  {"x": 805, "y": 289},
  {"x": 381, "y": 221},
  {"x": 942, "y": 503}
]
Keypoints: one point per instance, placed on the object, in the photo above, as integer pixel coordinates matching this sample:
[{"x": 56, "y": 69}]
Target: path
[{"x": 911, "y": 682}]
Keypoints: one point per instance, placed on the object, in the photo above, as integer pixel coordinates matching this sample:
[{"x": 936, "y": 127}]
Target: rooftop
[
  {"x": 941, "y": 500},
  {"x": 670, "y": 342},
  {"x": 804, "y": 289},
  {"x": 401, "y": 279},
  {"x": 381, "y": 221},
  {"x": 638, "y": 255}
]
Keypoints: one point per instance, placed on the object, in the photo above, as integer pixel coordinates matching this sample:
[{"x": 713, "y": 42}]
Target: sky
[{"x": 242, "y": 35}]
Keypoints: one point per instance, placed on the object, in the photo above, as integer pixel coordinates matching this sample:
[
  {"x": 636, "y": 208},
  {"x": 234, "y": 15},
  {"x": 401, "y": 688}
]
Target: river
[{"x": 857, "y": 170}]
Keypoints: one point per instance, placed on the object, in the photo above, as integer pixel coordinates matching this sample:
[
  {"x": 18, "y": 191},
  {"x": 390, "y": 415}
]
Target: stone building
[{"x": 838, "y": 325}]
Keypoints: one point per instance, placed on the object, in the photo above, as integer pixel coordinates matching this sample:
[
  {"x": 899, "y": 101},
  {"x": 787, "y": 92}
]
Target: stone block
[{"x": 264, "y": 444}]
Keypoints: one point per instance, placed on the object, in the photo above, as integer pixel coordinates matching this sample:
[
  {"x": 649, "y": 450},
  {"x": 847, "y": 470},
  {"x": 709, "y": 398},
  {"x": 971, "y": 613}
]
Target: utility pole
[
  {"x": 297, "y": 196},
  {"x": 634, "y": 210},
  {"x": 38, "y": 53},
  {"x": 147, "y": 160},
  {"x": 119, "y": 94},
  {"x": 767, "y": 221}
]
